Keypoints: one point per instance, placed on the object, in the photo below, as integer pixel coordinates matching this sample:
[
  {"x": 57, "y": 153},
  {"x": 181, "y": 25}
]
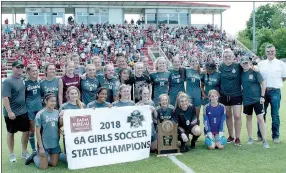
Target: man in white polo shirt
[{"x": 274, "y": 73}]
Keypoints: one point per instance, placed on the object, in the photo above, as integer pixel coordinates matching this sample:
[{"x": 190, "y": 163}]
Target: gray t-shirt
[
  {"x": 48, "y": 122},
  {"x": 121, "y": 103},
  {"x": 14, "y": 89}
]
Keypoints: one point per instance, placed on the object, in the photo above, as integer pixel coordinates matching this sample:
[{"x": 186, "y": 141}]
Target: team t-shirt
[
  {"x": 33, "y": 95},
  {"x": 88, "y": 89},
  {"x": 160, "y": 82}
]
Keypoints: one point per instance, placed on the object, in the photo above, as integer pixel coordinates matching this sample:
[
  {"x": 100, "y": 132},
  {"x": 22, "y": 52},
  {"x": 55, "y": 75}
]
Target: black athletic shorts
[
  {"x": 257, "y": 107},
  {"x": 21, "y": 123},
  {"x": 230, "y": 100}
]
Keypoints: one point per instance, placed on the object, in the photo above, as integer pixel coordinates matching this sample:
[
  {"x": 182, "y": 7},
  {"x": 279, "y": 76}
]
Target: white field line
[{"x": 181, "y": 164}]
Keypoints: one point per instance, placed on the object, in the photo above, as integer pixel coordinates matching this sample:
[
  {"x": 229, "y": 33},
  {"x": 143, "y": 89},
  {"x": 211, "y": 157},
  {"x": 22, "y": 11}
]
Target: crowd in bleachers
[{"x": 57, "y": 43}]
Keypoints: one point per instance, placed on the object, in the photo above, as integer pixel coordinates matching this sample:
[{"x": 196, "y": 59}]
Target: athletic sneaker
[
  {"x": 265, "y": 144},
  {"x": 30, "y": 159},
  {"x": 12, "y": 158},
  {"x": 25, "y": 155},
  {"x": 237, "y": 142},
  {"x": 250, "y": 141},
  {"x": 276, "y": 141},
  {"x": 230, "y": 139}
]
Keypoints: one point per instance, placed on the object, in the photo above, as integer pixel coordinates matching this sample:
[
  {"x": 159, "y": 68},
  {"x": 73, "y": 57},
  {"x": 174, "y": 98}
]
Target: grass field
[{"x": 244, "y": 159}]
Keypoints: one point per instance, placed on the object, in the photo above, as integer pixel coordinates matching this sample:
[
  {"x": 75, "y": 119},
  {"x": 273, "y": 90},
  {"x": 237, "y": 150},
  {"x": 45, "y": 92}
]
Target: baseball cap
[
  {"x": 17, "y": 64},
  {"x": 244, "y": 59}
]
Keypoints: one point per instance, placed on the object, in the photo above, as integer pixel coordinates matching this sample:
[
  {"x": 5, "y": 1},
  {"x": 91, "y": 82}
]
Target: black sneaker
[{"x": 30, "y": 159}]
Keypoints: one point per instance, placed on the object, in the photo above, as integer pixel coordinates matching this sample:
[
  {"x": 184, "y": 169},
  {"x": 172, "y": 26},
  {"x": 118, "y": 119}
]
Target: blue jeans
[{"x": 273, "y": 97}]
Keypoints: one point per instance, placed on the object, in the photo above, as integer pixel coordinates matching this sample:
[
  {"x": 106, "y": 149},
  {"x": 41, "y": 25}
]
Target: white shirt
[{"x": 272, "y": 72}]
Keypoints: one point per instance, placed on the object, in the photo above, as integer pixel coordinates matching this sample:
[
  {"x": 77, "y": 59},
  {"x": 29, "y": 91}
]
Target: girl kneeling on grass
[
  {"x": 73, "y": 102},
  {"x": 185, "y": 116},
  {"x": 47, "y": 128},
  {"x": 214, "y": 118}
]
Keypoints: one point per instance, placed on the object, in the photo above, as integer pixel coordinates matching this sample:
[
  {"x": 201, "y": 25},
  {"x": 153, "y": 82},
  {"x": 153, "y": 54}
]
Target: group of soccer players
[{"x": 36, "y": 106}]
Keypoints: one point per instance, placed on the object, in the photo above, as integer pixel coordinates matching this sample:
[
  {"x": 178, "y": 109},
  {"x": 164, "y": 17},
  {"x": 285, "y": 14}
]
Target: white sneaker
[
  {"x": 12, "y": 158},
  {"x": 265, "y": 144},
  {"x": 250, "y": 141},
  {"x": 25, "y": 155}
]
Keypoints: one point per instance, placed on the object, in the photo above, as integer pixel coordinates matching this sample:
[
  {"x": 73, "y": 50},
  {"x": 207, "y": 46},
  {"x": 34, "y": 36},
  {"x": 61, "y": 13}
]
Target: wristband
[{"x": 262, "y": 96}]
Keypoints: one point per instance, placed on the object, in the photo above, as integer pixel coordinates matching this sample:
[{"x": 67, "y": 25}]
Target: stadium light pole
[{"x": 253, "y": 29}]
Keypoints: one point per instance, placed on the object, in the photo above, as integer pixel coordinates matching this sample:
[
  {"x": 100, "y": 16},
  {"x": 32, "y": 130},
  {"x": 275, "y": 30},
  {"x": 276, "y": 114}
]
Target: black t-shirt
[
  {"x": 139, "y": 82},
  {"x": 184, "y": 118}
]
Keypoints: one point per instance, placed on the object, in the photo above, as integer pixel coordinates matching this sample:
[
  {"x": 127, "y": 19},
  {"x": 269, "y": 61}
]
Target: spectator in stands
[
  {"x": 15, "y": 112},
  {"x": 231, "y": 96},
  {"x": 273, "y": 72}
]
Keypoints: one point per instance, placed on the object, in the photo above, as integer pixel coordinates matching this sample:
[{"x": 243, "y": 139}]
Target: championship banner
[{"x": 104, "y": 136}]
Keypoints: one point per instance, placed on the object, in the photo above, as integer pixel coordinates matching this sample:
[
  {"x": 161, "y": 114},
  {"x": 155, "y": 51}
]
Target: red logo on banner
[{"x": 80, "y": 123}]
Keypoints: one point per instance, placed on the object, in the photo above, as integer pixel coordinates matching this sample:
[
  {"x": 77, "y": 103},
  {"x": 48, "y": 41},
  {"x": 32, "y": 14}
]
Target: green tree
[
  {"x": 242, "y": 37},
  {"x": 279, "y": 40},
  {"x": 263, "y": 18},
  {"x": 263, "y": 35}
]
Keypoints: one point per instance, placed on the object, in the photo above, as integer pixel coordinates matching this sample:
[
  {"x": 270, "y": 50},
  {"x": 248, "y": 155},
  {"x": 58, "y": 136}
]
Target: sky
[{"x": 234, "y": 19}]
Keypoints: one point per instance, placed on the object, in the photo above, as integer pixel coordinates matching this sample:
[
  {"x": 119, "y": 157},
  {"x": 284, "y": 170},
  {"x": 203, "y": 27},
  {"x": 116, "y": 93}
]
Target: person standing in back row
[
  {"x": 15, "y": 111},
  {"x": 273, "y": 72}
]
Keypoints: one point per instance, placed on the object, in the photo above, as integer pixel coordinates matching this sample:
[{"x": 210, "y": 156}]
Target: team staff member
[
  {"x": 214, "y": 118},
  {"x": 177, "y": 80},
  {"x": 33, "y": 99},
  {"x": 51, "y": 83},
  {"x": 69, "y": 79},
  {"x": 124, "y": 97},
  {"x": 15, "y": 111},
  {"x": 73, "y": 102},
  {"x": 185, "y": 116},
  {"x": 273, "y": 72},
  {"x": 160, "y": 79},
  {"x": 253, "y": 99},
  {"x": 47, "y": 128},
  {"x": 89, "y": 85},
  {"x": 210, "y": 81},
  {"x": 193, "y": 82},
  {"x": 231, "y": 96}
]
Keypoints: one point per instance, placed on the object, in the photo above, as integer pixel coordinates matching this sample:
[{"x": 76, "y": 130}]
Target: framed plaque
[{"x": 167, "y": 138}]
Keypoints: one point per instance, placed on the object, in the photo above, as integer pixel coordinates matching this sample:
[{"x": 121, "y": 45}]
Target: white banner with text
[{"x": 104, "y": 136}]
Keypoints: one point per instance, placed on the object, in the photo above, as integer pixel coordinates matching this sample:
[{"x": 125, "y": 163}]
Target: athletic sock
[
  {"x": 32, "y": 141},
  {"x": 37, "y": 161}
]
